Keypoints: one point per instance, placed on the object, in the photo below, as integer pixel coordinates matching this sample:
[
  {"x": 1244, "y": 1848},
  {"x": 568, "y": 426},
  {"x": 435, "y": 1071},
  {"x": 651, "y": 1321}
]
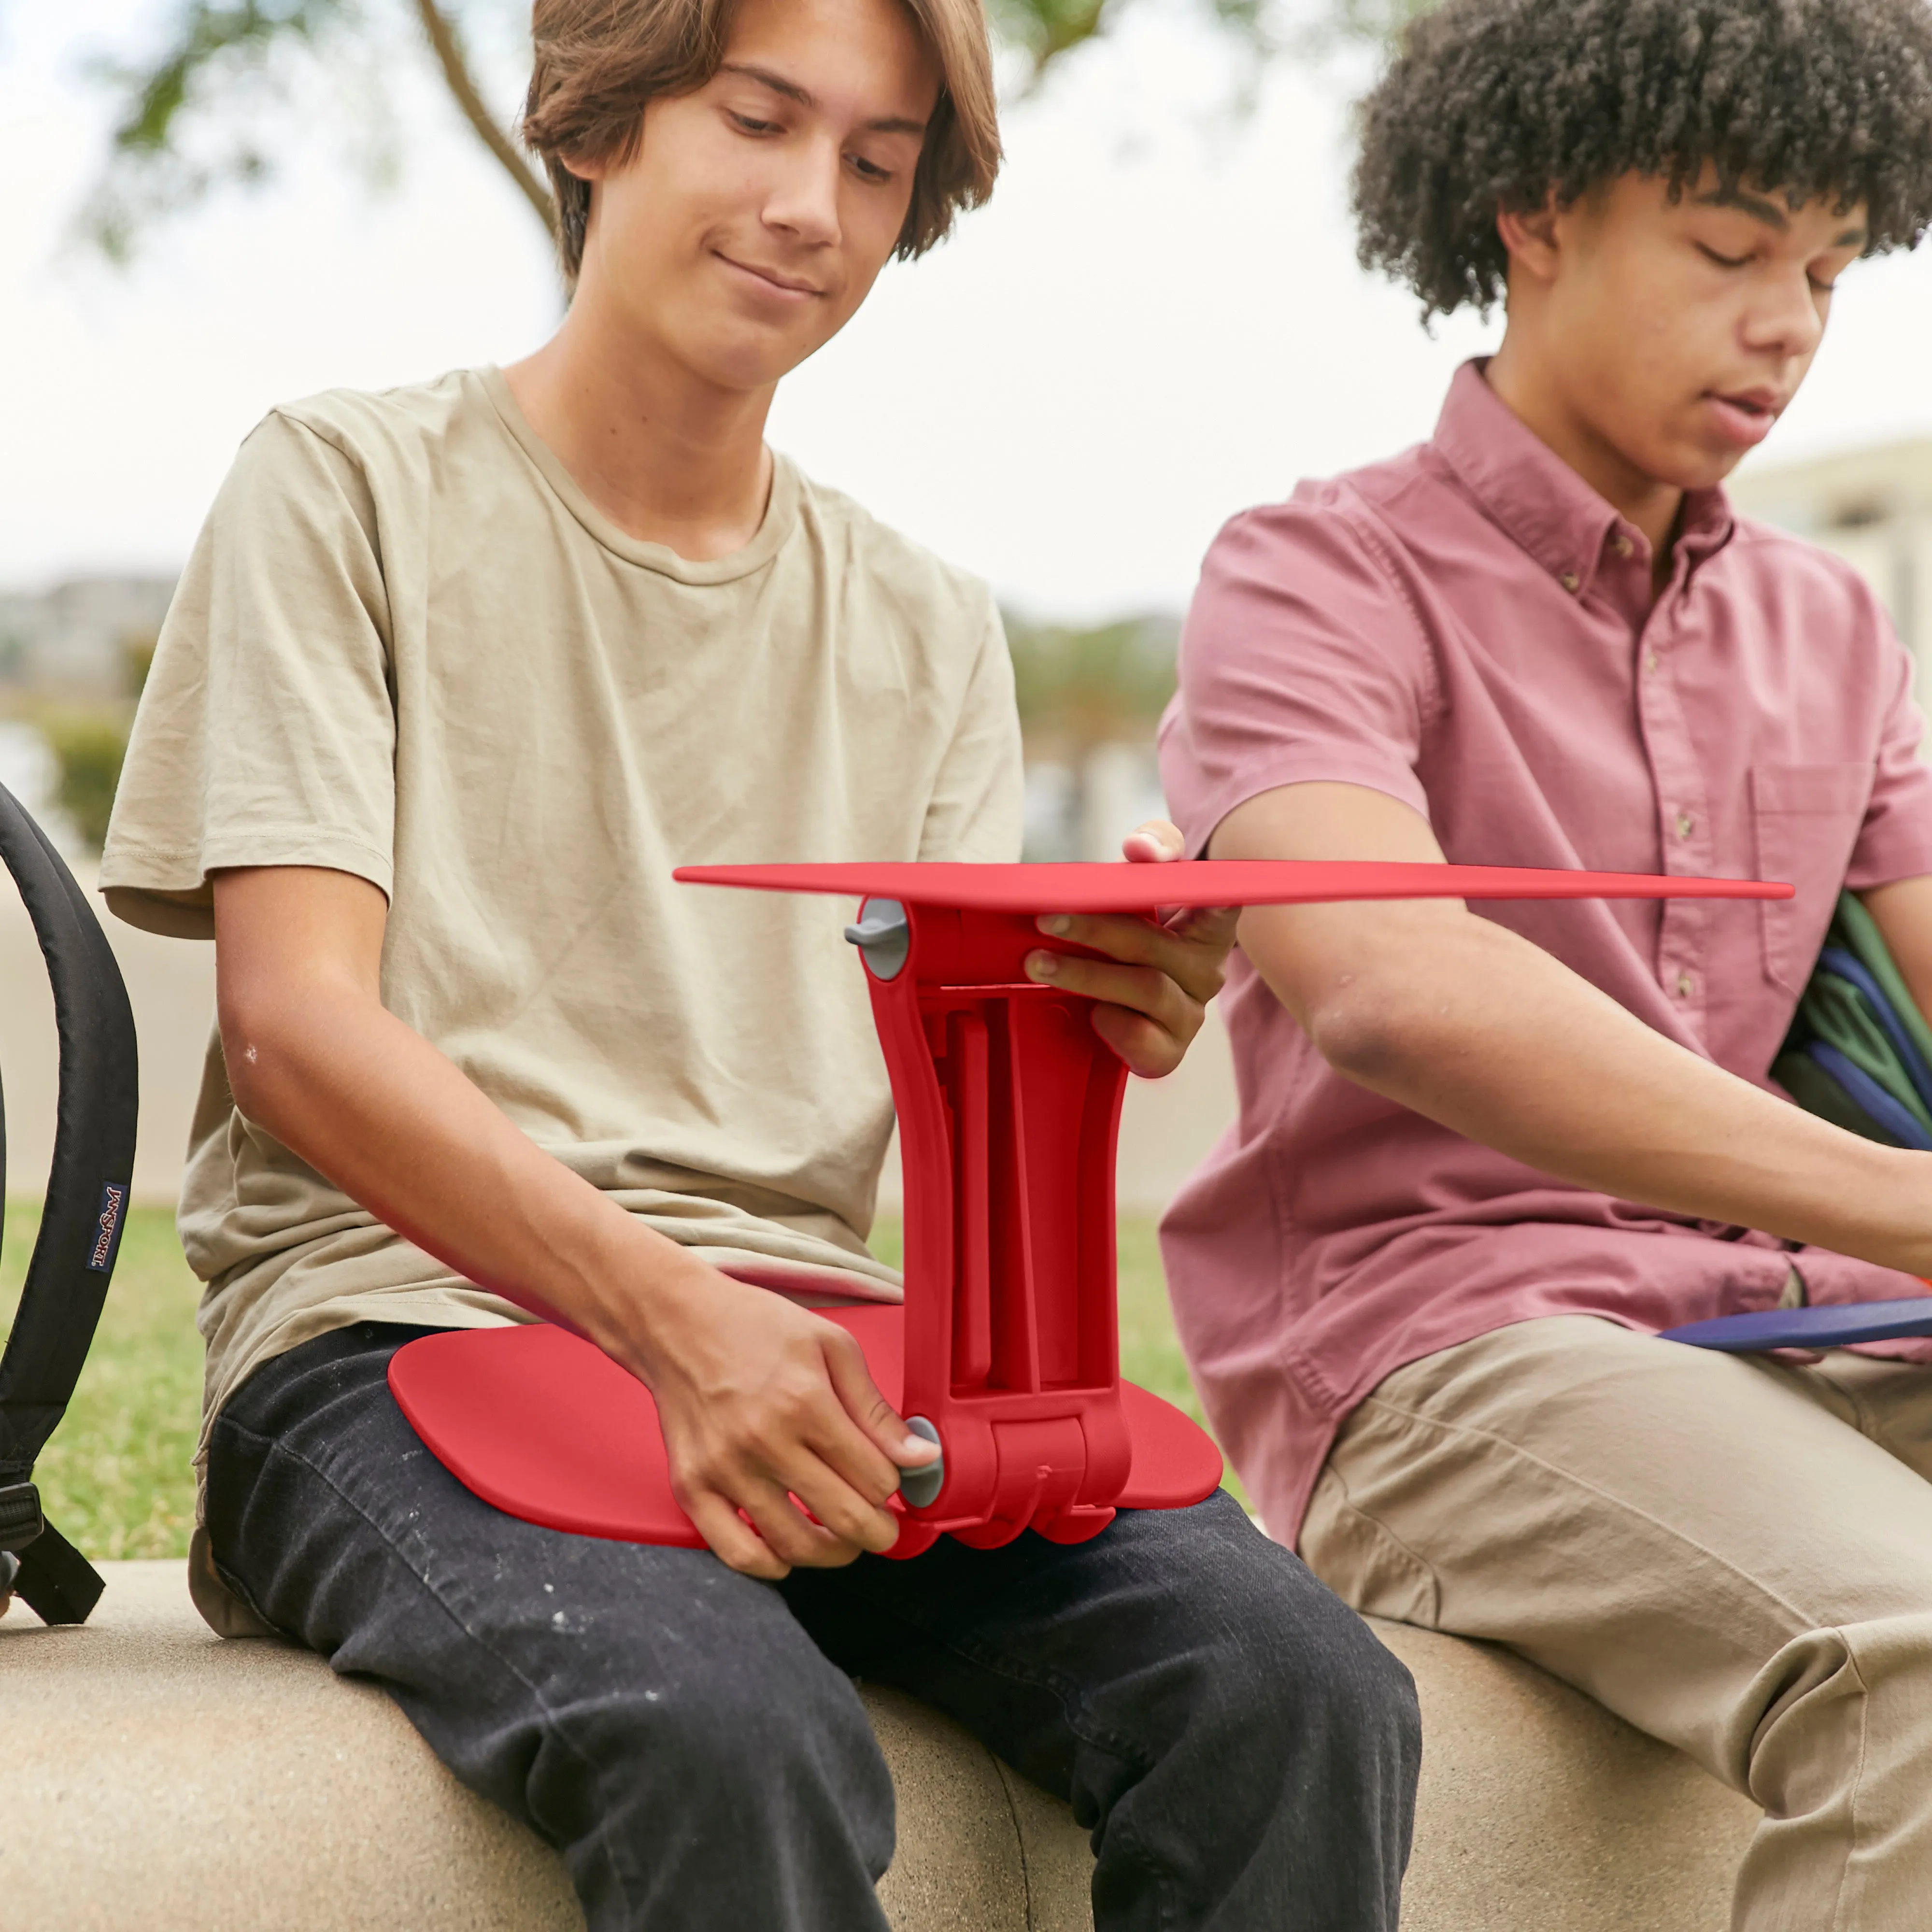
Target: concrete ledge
[
  {"x": 1540, "y": 1812},
  {"x": 155, "y": 1777}
]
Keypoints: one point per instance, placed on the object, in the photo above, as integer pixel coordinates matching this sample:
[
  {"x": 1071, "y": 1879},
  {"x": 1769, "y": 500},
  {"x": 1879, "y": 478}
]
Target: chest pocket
[{"x": 1807, "y": 819}]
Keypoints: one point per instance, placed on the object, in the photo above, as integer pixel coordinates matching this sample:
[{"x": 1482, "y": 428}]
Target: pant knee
[
  {"x": 1308, "y": 1666},
  {"x": 796, "y": 1744},
  {"x": 747, "y": 1796}
]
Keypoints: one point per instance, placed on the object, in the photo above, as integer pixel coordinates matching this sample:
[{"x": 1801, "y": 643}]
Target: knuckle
[
  {"x": 850, "y": 1524},
  {"x": 783, "y": 1531}
]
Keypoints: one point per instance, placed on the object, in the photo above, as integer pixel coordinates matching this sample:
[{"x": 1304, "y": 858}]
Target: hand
[
  {"x": 763, "y": 1401},
  {"x": 1152, "y": 989}
]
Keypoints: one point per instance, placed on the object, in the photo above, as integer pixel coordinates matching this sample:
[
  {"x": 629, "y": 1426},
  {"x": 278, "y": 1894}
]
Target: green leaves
[
  {"x": 1078, "y": 688},
  {"x": 230, "y": 78},
  {"x": 1046, "y": 29},
  {"x": 192, "y": 117},
  {"x": 211, "y": 105},
  {"x": 207, "y": 36}
]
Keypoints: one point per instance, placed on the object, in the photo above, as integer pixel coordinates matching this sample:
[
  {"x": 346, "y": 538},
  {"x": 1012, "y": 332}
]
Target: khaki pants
[{"x": 1734, "y": 1555}]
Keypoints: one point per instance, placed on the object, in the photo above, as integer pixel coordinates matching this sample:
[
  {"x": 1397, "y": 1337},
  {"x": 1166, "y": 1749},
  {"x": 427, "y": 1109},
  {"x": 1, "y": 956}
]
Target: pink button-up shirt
[{"x": 1470, "y": 628}]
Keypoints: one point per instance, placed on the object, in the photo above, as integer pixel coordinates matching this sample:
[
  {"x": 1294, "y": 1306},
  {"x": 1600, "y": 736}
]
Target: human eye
[
  {"x": 750, "y": 124},
  {"x": 869, "y": 170},
  {"x": 1711, "y": 254},
  {"x": 1824, "y": 271}
]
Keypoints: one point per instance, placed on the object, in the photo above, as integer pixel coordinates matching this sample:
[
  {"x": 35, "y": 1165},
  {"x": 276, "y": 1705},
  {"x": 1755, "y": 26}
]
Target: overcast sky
[{"x": 1157, "y": 321}]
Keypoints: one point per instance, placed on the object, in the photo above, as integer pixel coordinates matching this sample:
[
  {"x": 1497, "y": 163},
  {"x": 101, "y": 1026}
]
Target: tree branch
[{"x": 441, "y": 32}]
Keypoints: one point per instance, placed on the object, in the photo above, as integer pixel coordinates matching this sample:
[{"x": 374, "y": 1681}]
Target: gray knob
[
  {"x": 920, "y": 1486},
  {"x": 883, "y": 937}
]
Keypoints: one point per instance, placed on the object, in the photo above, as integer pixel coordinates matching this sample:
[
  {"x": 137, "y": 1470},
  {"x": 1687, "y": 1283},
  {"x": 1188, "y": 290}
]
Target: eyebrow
[
  {"x": 1770, "y": 214},
  {"x": 888, "y": 124}
]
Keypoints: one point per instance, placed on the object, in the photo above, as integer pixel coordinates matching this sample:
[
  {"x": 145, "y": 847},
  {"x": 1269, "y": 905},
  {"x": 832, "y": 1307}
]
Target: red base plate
[{"x": 547, "y": 1428}]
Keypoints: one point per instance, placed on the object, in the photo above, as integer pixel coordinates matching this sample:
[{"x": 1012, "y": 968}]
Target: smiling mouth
[{"x": 772, "y": 279}]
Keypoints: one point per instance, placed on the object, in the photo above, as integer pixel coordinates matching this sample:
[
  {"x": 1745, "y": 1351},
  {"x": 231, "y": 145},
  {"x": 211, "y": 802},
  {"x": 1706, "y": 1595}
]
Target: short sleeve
[
  {"x": 1895, "y": 840},
  {"x": 977, "y": 810},
  {"x": 1300, "y": 661},
  {"x": 265, "y": 735}
]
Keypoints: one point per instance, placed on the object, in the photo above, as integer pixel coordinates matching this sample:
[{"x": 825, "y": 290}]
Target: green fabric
[
  {"x": 1836, "y": 1012},
  {"x": 1817, "y": 1092},
  {"x": 1857, "y": 931}
]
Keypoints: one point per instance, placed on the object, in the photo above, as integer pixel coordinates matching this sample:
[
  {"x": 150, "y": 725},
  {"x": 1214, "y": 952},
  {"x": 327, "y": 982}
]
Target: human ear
[
  {"x": 586, "y": 167},
  {"x": 1529, "y": 237}
]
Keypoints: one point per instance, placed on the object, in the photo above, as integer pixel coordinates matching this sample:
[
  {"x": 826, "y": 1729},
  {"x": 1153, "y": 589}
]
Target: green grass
[{"x": 115, "y": 1477}]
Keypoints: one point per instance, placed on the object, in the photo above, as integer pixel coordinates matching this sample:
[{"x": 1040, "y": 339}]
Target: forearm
[
  {"x": 368, "y": 1102},
  {"x": 761, "y": 1401},
  {"x": 1467, "y": 1023}
]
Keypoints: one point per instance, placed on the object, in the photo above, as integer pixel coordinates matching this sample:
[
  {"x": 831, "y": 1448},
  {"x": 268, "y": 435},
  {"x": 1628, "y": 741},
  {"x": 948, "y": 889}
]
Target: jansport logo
[{"x": 113, "y": 1199}]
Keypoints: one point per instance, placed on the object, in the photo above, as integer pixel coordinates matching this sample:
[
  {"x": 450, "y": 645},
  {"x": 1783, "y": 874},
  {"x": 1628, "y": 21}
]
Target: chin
[
  {"x": 1706, "y": 470},
  {"x": 1685, "y": 463},
  {"x": 727, "y": 363}
]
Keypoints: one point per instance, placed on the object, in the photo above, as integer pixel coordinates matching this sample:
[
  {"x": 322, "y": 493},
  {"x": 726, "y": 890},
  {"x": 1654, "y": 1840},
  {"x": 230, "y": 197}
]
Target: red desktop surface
[
  {"x": 1119, "y": 887},
  {"x": 1006, "y": 1350}
]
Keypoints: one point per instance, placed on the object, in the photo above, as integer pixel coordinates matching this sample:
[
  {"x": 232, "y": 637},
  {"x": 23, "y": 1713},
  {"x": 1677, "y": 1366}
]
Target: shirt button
[
  {"x": 1571, "y": 581},
  {"x": 1650, "y": 661},
  {"x": 1686, "y": 985},
  {"x": 1622, "y": 545},
  {"x": 1685, "y": 824}
]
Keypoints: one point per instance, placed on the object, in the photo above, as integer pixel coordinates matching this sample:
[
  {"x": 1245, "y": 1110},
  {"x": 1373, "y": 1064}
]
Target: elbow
[
  {"x": 1366, "y": 1031},
  {"x": 262, "y": 1050}
]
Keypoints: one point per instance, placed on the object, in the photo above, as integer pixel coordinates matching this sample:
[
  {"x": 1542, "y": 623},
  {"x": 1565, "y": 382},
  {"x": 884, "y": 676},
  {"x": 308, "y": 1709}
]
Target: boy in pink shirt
[{"x": 1483, "y": 1155}]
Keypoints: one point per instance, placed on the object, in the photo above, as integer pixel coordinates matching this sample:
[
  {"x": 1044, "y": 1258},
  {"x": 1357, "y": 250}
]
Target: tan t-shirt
[{"x": 406, "y": 647}]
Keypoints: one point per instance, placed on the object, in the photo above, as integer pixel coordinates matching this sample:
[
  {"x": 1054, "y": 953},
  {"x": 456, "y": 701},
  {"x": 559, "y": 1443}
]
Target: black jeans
[{"x": 1243, "y": 1750}]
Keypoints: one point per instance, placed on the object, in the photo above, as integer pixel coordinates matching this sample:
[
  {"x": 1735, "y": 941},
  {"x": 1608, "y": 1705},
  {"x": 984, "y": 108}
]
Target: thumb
[
  {"x": 859, "y": 1395},
  {"x": 1155, "y": 843}
]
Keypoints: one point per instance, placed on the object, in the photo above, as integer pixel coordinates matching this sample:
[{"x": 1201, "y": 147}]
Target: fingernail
[
  {"x": 917, "y": 1449},
  {"x": 1042, "y": 965},
  {"x": 1056, "y": 923}
]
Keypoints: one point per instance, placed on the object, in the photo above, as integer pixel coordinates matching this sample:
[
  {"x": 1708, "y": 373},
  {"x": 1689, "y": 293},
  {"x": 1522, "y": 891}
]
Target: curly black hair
[{"x": 1495, "y": 104}]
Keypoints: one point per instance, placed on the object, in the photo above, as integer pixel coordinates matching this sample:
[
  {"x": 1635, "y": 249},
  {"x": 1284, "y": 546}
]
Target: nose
[
  {"x": 1785, "y": 319},
  {"x": 803, "y": 202}
]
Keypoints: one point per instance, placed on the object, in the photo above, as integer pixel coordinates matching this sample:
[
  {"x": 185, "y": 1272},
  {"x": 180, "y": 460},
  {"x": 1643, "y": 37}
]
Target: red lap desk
[{"x": 1006, "y": 1348}]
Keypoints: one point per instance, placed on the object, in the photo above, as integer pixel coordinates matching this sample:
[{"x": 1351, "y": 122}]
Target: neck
[
  {"x": 666, "y": 457},
  {"x": 1525, "y": 382}
]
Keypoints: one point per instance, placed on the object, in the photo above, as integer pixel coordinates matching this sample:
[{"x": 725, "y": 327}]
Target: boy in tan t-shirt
[{"x": 457, "y": 674}]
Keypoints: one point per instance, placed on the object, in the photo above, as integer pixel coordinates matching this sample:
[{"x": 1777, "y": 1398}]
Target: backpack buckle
[{"x": 21, "y": 1522}]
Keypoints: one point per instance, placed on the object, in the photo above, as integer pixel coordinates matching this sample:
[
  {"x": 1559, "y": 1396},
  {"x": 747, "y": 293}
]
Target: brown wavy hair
[{"x": 597, "y": 62}]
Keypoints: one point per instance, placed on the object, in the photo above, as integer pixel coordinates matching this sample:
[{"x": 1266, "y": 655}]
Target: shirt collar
[{"x": 1542, "y": 504}]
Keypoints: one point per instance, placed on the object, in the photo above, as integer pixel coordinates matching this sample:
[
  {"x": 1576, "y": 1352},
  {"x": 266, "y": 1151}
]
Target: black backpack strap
[{"x": 81, "y": 1223}]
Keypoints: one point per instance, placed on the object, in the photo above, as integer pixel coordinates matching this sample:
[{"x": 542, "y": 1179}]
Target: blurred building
[
  {"x": 72, "y": 639},
  {"x": 1873, "y": 507}
]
